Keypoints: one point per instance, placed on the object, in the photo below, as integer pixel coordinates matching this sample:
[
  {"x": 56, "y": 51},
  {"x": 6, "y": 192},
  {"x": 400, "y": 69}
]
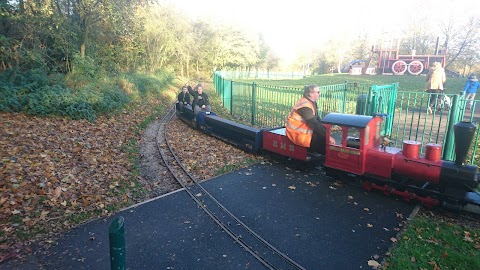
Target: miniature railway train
[{"x": 360, "y": 153}]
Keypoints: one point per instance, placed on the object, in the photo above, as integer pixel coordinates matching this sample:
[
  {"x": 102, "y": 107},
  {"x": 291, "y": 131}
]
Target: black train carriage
[
  {"x": 242, "y": 136},
  {"x": 185, "y": 113}
]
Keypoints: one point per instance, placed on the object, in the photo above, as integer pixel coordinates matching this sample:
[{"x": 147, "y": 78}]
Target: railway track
[{"x": 259, "y": 248}]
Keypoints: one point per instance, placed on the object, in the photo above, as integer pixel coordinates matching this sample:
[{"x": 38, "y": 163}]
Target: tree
[
  {"x": 461, "y": 40},
  {"x": 418, "y": 36},
  {"x": 263, "y": 52},
  {"x": 272, "y": 62}
]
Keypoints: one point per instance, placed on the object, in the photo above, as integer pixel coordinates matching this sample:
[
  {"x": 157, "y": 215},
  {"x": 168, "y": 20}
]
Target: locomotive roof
[{"x": 351, "y": 120}]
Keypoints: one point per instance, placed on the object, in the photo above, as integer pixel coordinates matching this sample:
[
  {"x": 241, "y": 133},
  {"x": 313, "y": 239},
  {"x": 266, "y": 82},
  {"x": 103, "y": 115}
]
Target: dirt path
[{"x": 204, "y": 156}]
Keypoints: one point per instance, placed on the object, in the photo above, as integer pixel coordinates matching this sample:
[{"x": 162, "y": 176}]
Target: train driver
[
  {"x": 183, "y": 98},
  {"x": 303, "y": 123}
]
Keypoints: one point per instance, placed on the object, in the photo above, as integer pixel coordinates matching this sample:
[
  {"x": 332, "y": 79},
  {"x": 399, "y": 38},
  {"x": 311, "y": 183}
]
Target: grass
[
  {"x": 406, "y": 83},
  {"x": 427, "y": 243}
]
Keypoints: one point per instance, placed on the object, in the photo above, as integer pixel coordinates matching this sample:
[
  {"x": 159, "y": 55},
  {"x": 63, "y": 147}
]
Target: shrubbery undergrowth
[{"x": 81, "y": 94}]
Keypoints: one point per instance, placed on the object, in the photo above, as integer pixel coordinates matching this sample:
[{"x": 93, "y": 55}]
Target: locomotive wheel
[
  {"x": 399, "y": 67},
  {"x": 415, "y": 67}
]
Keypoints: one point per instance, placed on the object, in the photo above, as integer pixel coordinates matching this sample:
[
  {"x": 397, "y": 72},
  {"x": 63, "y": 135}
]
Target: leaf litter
[{"x": 54, "y": 171}]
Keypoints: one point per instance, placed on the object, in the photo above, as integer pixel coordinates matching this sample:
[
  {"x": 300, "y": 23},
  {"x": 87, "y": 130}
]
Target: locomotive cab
[{"x": 354, "y": 135}]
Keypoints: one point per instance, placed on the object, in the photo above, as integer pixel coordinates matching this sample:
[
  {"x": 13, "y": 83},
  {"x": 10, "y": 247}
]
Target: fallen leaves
[
  {"x": 55, "y": 169},
  {"x": 467, "y": 237},
  {"x": 204, "y": 156},
  {"x": 434, "y": 264},
  {"x": 374, "y": 264}
]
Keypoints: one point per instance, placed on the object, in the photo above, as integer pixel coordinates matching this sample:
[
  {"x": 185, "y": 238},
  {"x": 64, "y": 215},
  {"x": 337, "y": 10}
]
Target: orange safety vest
[{"x": 298, "y": 131}]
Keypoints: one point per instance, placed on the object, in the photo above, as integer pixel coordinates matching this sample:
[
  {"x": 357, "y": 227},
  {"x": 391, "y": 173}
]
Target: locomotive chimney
[{"x": 464, "y": 132}]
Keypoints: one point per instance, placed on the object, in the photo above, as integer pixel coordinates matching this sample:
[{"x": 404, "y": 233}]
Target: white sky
[{"x": 293, "y": 26}]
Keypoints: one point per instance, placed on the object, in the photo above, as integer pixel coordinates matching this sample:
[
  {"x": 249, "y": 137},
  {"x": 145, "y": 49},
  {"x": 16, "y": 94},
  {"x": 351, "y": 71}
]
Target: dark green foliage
[
  {"x": 81, "y": 110},
  {"x": 103, "y": 97},
  {"x": 148, "y": 85},
  {"x": 85, "y": 69},
  {"x": 86, "y": 93},
  {"x": 35, "y": 93}
]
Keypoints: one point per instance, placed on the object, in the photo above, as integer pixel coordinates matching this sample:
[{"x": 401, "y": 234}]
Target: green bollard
[{"x": 117, "y": 244}]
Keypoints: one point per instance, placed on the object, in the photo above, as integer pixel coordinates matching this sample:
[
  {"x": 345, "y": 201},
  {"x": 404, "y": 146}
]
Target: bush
[
  {"x": 81, "y": 110},
  {"x": 104, "y": 97},
  {"x": 47, "y": 100},
  {"x": 8, "y": 99},
  {"x": 146, "y": 85},
  {"x": 31, "y": 93},
  {"x": 86, "y": 97}
]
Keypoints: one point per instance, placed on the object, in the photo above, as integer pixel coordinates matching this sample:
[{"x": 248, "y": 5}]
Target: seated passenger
[
  {"x": 303, "y": 123},
  {"x": 200, "y": 99},
  {"x": 183, "y": 99}
]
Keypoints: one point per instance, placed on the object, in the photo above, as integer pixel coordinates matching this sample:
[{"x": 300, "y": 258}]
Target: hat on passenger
[{"x": 472, "y": 78}]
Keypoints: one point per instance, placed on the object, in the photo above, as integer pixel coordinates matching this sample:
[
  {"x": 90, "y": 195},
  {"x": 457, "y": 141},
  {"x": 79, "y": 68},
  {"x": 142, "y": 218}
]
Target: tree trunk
[
  {"x": 84, "y": 39},
  {"x": 21, "y": 6}
]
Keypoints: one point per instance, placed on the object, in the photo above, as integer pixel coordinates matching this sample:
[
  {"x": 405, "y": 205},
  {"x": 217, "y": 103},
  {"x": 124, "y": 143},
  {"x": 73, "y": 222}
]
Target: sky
[{"x": 290, "y": 27}]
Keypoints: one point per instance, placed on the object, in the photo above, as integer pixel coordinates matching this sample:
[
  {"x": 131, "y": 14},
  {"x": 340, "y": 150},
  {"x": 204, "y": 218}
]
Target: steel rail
[{"x": 225, "y": 227}]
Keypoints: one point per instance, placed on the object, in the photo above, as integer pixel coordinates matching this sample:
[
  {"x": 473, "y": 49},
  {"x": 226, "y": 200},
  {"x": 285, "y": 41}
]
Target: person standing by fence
[
  {"x": 470, "y": 90},
  {"x": 435, "y": 81},
  {"x": 303, "y": 123}
]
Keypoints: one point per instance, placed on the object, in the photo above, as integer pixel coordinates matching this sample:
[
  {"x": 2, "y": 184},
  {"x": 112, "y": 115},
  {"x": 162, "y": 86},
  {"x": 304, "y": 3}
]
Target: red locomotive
[{"x": 361, "y": 151}]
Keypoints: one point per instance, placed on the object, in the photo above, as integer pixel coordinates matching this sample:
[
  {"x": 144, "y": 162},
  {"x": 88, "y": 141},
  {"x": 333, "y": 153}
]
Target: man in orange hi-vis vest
[{"x": 303, "y": 123}]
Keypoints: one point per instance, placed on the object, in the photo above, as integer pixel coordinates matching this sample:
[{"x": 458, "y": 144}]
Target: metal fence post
[
  {"x": 450, "y": 137},
  {"x": 254, "y": 99},
  {"x": 222, "y": 92},
  {"x": 117, "y": 244},
  {"x": 231, "y": 97},
  {"x": 344, "y": 101},
  {"x": 370, "y": 104},
  {"x": 216, "y": 79}
]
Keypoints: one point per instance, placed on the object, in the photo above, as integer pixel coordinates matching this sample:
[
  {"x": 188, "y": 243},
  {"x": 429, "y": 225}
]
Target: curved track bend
[{"x": 253, "y": 243}]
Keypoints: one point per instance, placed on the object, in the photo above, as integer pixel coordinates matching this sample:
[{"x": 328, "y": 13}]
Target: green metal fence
[
  {"x": 406, "y": 112},
  {"x": 412, "y": 121},
  {"x": 473, "y": 116},
  {"x": 258, "y": 74},
  {"x": 268, "y": 106}
]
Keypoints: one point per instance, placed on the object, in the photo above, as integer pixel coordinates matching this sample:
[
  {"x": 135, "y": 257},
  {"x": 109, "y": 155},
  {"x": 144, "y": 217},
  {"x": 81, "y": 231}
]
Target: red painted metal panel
[
  {"x": 345, "y": 159},
  {"x": 380, "y": 161},
  {"x": 418, "y": 169},
  {"x": 280, "y": 144}
]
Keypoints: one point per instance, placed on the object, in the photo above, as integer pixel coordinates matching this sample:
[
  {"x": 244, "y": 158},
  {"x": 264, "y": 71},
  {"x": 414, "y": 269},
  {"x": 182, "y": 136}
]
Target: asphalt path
[{"x": 319, "y": 222}]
